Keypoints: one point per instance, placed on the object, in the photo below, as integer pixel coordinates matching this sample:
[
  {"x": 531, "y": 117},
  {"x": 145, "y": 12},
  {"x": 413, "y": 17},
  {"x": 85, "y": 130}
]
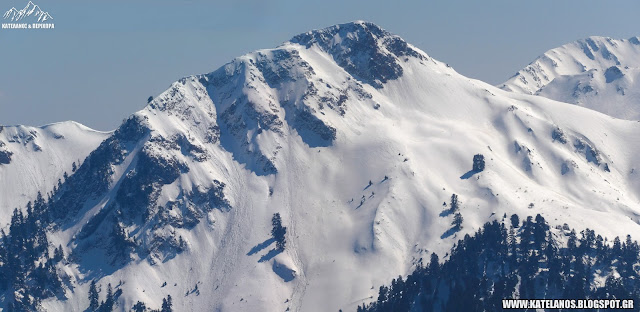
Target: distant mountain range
[
  {"x": 31, "y": 10},
  {"x": 363, "y": 144},
  {"x": 599, "y": 73}
]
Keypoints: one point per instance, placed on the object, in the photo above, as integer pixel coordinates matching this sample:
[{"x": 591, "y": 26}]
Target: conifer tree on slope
[{"x": 278, "y": 231}]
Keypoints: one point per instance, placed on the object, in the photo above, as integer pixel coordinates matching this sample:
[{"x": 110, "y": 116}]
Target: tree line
[{"x": 517, "y": 261}]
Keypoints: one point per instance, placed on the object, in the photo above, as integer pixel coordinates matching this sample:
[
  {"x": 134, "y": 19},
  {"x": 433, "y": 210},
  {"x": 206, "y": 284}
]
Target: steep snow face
[
  {"x": 356, "y": 138},
  {"x": 32, "y": 159},
  {"x": 598, "y": 73}
]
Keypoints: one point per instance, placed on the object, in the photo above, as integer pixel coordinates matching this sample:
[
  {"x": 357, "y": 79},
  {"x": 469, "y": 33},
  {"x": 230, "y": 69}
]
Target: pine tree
[
  {"x": 454, "y": 203},
  {"x": 515, "y": 221},
  {"x": 139, "y": 307},
  {"x": 457, "y": 221},
  {"x": 58, "y": 254},
  {"x": 478, "y": 162},
  {"x": 93, "y": 296},
  {"x": 278, "y": 231},
  {"x": 107, "y": 306},
  {"x": 167, "y": 305},
  {"x": 434, "y": 263}
]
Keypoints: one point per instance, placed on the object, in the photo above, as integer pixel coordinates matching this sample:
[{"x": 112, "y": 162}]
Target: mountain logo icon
[{"x": 30, "y": 11}]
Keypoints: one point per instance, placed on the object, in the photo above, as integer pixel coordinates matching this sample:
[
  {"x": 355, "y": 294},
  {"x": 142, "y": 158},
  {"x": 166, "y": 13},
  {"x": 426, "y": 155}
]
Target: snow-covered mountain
[
  {"x": 356, "y": 138},
  {"x": 32, "y": 159},
  {"x": 599, "y": 73}
]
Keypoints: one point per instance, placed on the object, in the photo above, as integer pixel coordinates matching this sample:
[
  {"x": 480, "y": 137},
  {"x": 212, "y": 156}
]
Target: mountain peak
[
  {"x": 185, "y": 191},
  {"x": 595, "y": 72},
  {"x": 365, "y": 50},
  {"x": 358, "y": 29}
]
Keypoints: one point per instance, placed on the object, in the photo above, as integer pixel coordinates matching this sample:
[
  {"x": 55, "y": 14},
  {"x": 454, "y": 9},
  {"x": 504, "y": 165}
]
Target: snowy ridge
[
  {"x": 357, "y": 155},
  {"x": 599, "y": 73},
  {"x": 32, "y": 159}
]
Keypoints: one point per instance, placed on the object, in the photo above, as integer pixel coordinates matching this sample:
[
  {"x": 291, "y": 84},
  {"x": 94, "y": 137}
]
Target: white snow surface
[
  {"x": 414, "y": 139},
  {"x": 39, "y": 157},
  {"x": 599, "y": 73}
]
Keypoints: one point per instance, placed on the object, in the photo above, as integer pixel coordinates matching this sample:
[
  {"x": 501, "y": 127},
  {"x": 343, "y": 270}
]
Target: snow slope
[
  {"x": 599, "y": 73},
  {"x": 356, "y": 138},
  {"x": 32, "y": 159}
]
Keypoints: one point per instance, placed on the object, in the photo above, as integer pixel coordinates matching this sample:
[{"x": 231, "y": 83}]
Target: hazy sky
[{"x": 105, "y": 58}]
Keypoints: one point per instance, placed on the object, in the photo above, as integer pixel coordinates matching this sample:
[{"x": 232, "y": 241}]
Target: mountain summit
[
  {"x": 599, "y": 73},
  {"x": 354, "y": 139},
  {"x": 364, "y": 50}
]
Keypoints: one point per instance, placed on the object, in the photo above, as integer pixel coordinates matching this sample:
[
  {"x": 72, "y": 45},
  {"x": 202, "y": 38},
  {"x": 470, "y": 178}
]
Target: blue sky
[{"x": 104, "y": 58}]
